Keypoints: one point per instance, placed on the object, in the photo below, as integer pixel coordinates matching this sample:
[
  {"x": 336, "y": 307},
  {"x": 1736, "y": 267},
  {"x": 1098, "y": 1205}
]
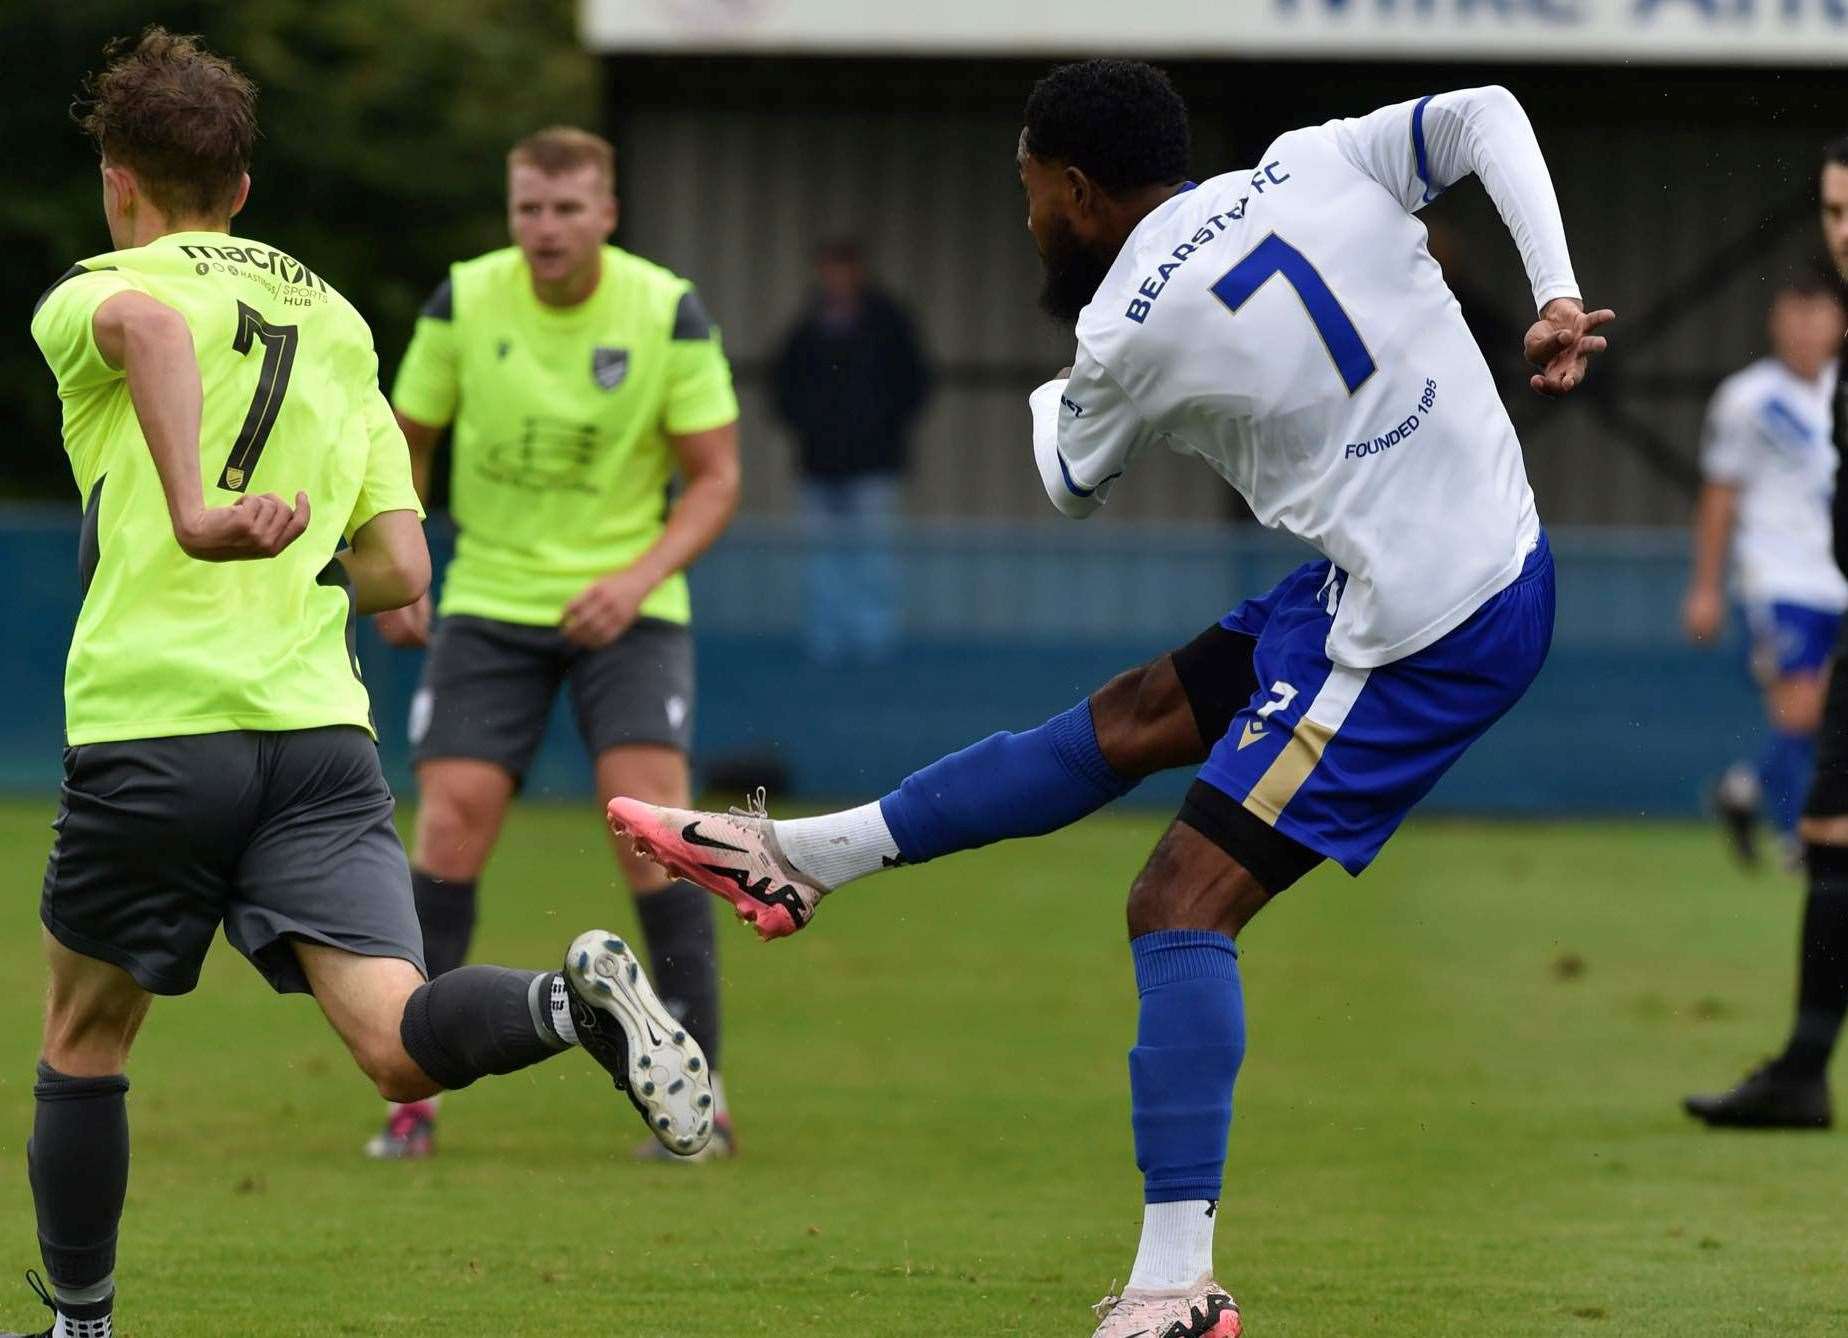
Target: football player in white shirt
[
  {"x": 1287, "y": 324},
  {"x": 1769, "y": 468}
]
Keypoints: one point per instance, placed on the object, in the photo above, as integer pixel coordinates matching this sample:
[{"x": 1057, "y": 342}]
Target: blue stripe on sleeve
[
  {"x": 1066, "y": 471},
  {"x": 1418, "y": 148},
  {"x": 1075, "y": 489}
]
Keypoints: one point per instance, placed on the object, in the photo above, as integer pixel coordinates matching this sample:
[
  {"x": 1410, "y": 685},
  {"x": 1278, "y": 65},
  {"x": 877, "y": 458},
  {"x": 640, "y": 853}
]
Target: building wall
[
  {"x": 1005, "y": 623},
  {"x": 1685, "y": 193}
]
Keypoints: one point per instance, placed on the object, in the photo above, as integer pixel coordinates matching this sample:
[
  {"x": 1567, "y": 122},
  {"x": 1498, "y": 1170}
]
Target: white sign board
[{"x": 1720, "y": 32}]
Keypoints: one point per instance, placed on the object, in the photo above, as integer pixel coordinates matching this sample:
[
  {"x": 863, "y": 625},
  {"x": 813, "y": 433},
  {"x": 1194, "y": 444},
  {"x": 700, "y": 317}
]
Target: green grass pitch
[{"x": 1457, "y": 1117}]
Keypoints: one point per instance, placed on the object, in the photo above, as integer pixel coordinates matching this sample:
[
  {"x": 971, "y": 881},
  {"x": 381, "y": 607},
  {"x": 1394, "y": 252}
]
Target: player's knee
[
  {"x": 1148, "y": 908},
  {"x": 1144, "y": 723},
  {"x": 1191, "y": 882},
  {"x": 392, "y": 1071},
  {"x": 1796, "y": 706},
  {"x": 652, "y": 773},
  {"x": 450, "y": 827},
  {"x": 91, "y": 1033},
  {"x": 85, "y": 1053},
  {"x": 1162, "y": 899}
]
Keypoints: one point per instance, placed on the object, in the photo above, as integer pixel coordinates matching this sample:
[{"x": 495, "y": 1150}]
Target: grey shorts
[
  {"x": 278, "y": 836},
  {"x": 488, "y": 688}
]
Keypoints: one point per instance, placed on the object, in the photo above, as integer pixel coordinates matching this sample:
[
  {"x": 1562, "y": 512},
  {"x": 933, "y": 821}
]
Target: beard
[{"x": 1074, "y": 272}]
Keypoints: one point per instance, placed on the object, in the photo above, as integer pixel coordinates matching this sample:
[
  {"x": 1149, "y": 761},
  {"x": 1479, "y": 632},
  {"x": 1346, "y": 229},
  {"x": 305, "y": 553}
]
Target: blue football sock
[
  {"x": 1007, "y": 785},
  {"x": 1784, "y": 771},
  {"x": 1189, "y": 1043}
]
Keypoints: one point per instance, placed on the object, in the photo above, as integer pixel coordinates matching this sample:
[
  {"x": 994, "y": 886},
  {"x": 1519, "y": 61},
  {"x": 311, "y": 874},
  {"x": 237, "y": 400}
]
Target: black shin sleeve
[
  {"x": 78, "y": 1164},
  {"x": 1269, "y": 856},
  {"x": 1216, "y": 673},
  {"x": 1822, "y": 981},
  {"x": 446, "y": 913},
  {"x": 682, "y": 947},
  {"x": 477, "y": 1020}
]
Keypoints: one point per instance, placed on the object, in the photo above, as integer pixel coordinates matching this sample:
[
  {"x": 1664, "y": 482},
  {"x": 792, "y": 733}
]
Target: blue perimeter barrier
[{"x": 1006, "y": 624}]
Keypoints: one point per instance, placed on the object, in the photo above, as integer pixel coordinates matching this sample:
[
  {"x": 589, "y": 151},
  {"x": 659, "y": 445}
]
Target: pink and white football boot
[
  {"x": 1204, "y": 1310},
  {"x": 734, "y": 855}
]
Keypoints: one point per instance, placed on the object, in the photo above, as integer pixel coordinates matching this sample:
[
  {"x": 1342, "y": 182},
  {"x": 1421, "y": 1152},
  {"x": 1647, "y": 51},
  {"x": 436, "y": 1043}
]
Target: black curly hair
[{"x": 1120, "y": 122}]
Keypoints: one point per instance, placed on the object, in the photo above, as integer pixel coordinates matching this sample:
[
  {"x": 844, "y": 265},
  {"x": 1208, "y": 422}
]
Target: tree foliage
[{"x": 385, "y": 128}]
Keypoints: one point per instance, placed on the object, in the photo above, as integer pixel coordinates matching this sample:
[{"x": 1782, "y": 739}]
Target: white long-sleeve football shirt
[
  {"x": 1767, "y": 434},
  {"x": 1288, "y": 325}
]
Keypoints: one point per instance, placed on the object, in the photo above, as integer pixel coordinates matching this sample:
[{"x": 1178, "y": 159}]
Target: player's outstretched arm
[
  {"x": 388, "y": 563},
  {"x": 151, "y": 344}
]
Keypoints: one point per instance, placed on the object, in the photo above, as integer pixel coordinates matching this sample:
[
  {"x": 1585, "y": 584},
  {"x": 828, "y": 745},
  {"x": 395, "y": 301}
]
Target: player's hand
[
  {"x": 605, "y": 610},
  {"x": 1702, "y": 613},
  {"x": 1561, "y": 344},
  {"x": 408, "y": 627},
  {"x": 251, "y": 528}
]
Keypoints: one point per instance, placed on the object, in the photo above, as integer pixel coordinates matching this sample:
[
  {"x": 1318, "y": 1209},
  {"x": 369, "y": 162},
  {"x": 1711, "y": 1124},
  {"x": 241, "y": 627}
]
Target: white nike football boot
[
  {"x": 734, "y": 855},
  {"x": 1204, "y": 1310},
  {"x": 624, "y": 1027}
]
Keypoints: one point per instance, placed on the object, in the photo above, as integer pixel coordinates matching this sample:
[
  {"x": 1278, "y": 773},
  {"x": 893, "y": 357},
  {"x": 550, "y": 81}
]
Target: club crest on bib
[{"x": 608, "y": 366}]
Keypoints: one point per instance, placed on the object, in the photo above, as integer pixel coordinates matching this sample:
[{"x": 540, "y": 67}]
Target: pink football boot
[
  {"x": 1204, "y": 1310},
  {"x": 734, "y": 855}
]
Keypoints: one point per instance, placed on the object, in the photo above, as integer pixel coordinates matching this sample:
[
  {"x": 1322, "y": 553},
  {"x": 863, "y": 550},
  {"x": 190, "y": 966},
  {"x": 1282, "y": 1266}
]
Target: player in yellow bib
[
  {"x": 578, "y": 383},
  {"x": 222, "y": 767}
]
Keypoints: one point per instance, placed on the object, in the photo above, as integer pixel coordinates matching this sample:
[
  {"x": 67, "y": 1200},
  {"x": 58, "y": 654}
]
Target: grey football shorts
[
  {"x": 278, "y": 836},
  {"x": 488, "y": 688}
]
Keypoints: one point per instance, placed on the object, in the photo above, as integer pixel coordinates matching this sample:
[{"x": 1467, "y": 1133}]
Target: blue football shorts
[
  {"x": 1789, "y": 639},
  {"x": 1334, "y": 757}
]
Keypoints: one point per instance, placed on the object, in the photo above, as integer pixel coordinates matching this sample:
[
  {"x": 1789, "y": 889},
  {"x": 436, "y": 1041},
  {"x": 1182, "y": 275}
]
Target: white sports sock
[
  {"x": 1177, "y": 1244},
  {"x": 561, "y": 1013},
  {"x": 66, "y": 1327},
  {"x": 837, "y": 848}
]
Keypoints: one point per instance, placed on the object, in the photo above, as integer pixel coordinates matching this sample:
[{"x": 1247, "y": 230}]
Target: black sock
[
  {"x": 478, "y": 1020},
  {"x": 1822, "y": 981},
  {"x": 446, "y": 911},
  {"x": 77, "y": 1161},
  {"x": 683, "y": 950}
]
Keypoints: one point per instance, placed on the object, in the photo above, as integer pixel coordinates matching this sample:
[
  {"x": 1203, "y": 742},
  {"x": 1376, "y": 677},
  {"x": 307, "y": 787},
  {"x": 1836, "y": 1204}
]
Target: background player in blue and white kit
[
  {"x": 1769, "y": 469},
  {"x": 1287, "y": 324}
]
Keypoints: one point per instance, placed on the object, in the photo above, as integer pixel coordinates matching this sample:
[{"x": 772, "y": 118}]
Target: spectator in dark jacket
[{"x": 850, "y": 381}]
